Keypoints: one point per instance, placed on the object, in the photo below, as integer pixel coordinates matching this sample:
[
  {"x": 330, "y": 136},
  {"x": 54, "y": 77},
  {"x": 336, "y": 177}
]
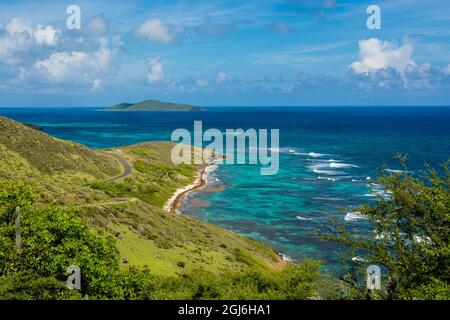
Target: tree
[
  {"x": 54, "y": 238},
  {"x": 410, "y": 238}
]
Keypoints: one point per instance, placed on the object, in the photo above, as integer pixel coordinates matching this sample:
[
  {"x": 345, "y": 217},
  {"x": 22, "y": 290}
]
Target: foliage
[
  {"x": 47, "y": 154},
  {"x": 117, "y": 233},
  {"x": 154, "y": 105},
  {"x": 293, "y": 282},
  {"x": 55, "y": 238},
  {"x": 410, "y": 241}
]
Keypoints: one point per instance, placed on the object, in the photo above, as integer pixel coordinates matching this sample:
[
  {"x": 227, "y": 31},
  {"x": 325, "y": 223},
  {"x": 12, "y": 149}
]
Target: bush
[
  {"x": 53, "y": 238},
  {"x": 294, "y": 282},
  {"x": 410, "y": 240}
]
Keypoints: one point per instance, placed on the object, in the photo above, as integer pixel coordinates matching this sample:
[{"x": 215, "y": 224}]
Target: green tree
[
  {"x": 53, "y": 239},
  {"x": 410, "y": 239}
]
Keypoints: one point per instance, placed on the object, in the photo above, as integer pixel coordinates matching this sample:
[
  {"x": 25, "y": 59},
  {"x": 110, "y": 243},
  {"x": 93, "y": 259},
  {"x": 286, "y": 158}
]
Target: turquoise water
[{"x": 326, "y": 156}]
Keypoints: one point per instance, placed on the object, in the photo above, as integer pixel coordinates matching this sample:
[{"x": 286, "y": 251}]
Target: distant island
[{"x": 153, "y": 105}]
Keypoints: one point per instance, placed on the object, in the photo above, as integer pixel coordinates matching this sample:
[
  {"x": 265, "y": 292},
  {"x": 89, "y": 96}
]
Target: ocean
[{"x": 327, "y": 155}]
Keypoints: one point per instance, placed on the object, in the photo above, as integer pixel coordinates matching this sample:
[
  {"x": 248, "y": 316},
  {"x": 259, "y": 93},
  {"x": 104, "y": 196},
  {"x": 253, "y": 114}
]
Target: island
[{"x": 154, "y": 105}]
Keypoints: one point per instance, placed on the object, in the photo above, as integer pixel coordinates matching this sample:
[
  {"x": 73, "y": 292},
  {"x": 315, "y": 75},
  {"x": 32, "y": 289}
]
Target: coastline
[{"x": 175, "y": 201}]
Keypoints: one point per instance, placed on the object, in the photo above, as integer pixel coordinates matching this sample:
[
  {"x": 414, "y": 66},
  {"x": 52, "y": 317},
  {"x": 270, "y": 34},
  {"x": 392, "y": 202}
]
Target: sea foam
[
  {"x": 353, "y": 216},
  {"x": 342, "y": 165},
  {"x": 303, "y": 218}
]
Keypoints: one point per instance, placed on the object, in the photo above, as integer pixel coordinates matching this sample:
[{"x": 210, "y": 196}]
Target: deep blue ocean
[{"x": 326, "y": 156}]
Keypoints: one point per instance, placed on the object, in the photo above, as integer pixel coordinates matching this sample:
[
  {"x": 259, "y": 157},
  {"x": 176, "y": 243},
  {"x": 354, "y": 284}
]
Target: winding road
[{"x": 126, "y": 167}]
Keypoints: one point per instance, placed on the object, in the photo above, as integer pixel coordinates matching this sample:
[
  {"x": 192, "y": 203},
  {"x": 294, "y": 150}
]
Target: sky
[{"x": 225, "y": 53}]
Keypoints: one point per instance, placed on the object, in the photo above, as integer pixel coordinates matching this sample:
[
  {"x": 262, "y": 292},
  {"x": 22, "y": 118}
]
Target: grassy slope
[
  {"x": 60, "y": 169},
  {"x": 48, "y": 154},
  {"x": 131, "y": 209}
]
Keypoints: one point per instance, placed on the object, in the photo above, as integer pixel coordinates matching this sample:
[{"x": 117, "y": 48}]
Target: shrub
[{"x": 410, "y": 240}]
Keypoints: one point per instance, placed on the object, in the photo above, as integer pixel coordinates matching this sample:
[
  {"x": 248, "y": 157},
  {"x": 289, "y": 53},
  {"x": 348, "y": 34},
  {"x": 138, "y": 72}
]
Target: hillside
[
  {"x": 48, "y": 154},
  {"x": 129, "y": 209},
  {"x": 153, "y": 105}
]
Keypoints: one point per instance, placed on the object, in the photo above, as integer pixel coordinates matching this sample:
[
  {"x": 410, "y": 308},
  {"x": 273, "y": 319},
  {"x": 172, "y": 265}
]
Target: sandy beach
[
  {"x": 200, "y": 182},
  {"x": 174, "y": 203}
]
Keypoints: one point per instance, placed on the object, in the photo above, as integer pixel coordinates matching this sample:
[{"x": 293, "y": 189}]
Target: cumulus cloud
[
  {"x": 384, "y": 65},
  {"x": 375, "y": 55},
  {"x": 18, "y": 38},
  {"x": 155, "y": 30},
  {"x": 18, "y": 25},
  {"x": 42, "y": 57},
  {"x": 421, "y": 77},
  {"x": 75, "y": 67},
  {"x": 155, "y": 72},
  {"x": 46, "y": 35}
]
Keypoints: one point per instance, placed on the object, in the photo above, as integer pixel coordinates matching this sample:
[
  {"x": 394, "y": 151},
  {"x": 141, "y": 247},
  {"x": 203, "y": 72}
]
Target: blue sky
[{"x": 220, "y": 53}]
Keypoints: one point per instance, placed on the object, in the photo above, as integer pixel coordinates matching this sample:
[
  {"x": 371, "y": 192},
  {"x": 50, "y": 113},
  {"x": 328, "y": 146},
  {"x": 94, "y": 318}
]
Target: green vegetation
[
  {"x": 48, "y": 154},
  {"x": 295, "y": 282},
  {"x": 411, "y": 231},
  {"x": 128, "y": 247},
  {"x": 153, "y": 105},
  {"x": 120, "y": 231},
  {"x": 55, "y": 238}
]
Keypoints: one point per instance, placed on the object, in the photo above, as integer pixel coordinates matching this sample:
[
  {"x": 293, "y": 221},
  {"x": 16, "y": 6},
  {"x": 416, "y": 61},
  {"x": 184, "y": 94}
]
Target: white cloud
[
  {"x": 75, "y": 66},
  {"x": 46, "y": 35},
  {"x": 6, "y": 48},
  {"x": 384, "y": 65},
  {"x": 17, "y": 25},
  {"x": 42, "y": 57},
  {"x": 96, "y": 84},
  {"x": 19, "y": 39},
  {"x": 155, "y": 73},
  {"x": 376, "y": 55},
  {"x": 221, "y": 77},
  {"x": 155, "y": 30},
  {"x": 421, "y": 77}
]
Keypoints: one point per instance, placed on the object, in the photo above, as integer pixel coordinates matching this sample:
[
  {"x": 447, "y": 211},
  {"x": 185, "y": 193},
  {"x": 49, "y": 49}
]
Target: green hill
[
  {"x": 129, "y": 209},
  {"x": 48, "y": 154},
  {"x": 153, "y": 105}
]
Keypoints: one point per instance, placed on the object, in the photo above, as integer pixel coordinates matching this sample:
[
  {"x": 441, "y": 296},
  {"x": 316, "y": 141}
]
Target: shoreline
[
  {"x": 175, "y": 201},
  {"x": 200, "y": 182}
]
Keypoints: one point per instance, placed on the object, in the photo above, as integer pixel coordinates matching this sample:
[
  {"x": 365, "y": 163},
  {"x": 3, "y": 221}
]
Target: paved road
[{"x": 126, "y": 166}]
